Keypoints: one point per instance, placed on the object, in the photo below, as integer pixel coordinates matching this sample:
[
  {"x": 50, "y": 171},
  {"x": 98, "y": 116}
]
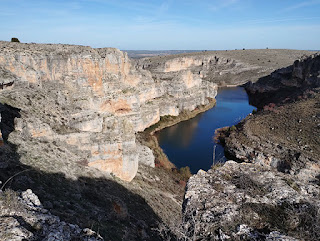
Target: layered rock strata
[
  {"x": 226, "y": 68},
  {"x": 92, "y": 101}
]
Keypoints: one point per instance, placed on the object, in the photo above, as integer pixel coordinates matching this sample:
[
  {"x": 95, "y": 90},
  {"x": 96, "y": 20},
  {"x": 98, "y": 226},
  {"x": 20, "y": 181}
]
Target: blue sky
[{"x": 166, "y": 24}]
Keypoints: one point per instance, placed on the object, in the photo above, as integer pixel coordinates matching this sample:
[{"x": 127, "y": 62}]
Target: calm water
[{"x": 190, "y": 143}]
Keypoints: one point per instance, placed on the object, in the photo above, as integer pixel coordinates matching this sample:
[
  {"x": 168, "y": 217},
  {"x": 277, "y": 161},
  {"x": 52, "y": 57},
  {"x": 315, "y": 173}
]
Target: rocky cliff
[
  {"x": 91, "y": 101},
  {"x": 272, "y": 191},
  {"x": 225, "y": 68},
  {"x": 294, "y": 82}
]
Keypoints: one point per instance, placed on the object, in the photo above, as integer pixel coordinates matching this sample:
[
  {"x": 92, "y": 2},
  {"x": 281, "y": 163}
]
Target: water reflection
[
  {"x": 181, "y": 135},
  {"x": 190, "y": 142}
]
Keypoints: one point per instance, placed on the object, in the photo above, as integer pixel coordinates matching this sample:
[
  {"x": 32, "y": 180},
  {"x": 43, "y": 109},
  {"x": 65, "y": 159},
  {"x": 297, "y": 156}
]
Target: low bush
[
  {"x": 233, "y": 128},
  {"x": 15, "y": 40},
  {"x": 185, "y": 173}
]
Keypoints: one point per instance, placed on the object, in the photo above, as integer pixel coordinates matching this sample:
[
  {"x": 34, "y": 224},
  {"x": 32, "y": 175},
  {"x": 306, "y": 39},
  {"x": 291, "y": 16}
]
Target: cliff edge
[{"x": 272, "y": 191}]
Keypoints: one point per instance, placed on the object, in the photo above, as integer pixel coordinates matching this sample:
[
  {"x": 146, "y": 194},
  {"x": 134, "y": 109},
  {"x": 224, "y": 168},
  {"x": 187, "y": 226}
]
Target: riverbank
[
  {"x": 190, "y": 142},
  {"x": 149, "y": 139}
]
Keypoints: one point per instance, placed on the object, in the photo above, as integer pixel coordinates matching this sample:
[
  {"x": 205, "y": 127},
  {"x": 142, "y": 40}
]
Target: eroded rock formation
[{"x": 92, "y": 101}]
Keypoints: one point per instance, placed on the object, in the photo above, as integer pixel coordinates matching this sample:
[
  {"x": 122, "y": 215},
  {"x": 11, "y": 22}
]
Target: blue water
[{"x": 190, "y": 143}]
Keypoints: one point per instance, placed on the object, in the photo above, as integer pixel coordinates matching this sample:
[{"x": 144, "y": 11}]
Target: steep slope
[
  {"x": 287, "y": 84},
  {"x": 91, "y": 101}
]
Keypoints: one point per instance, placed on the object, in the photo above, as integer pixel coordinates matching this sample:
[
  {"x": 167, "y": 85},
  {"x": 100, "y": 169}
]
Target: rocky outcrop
[
  {"x": 241, "y": 201},
  {"x": 23, "y": 217},
  {"x": 92, "y": 101},
  {"x": 7, "y": 78},
  {"x": 287, "y": 84}
]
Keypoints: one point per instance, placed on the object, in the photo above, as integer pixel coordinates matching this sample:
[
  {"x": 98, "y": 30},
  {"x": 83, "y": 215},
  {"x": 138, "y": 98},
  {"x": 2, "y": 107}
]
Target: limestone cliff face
[
  {"x": 209, "y": 67},
  {"x": 92, "y": 100},
  {"x": 225, "y": 68},
  {"x": 288, "y": 83}
]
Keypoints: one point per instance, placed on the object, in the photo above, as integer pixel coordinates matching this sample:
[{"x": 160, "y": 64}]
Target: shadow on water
[
  {"x": 97, "y": 203},
  {"x": 190, "y": 143}
]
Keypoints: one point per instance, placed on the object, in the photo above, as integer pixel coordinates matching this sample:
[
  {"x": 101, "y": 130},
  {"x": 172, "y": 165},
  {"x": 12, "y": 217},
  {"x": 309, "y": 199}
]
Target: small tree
[{"x": 16, "y": 40}]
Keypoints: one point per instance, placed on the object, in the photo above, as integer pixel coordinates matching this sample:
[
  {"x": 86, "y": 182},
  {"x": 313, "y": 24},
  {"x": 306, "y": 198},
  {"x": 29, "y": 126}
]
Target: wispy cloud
[
  {"x": 275, "y": 20},
  {"x": 302, "y": 5},
  {"x": 221, "y": 4}
]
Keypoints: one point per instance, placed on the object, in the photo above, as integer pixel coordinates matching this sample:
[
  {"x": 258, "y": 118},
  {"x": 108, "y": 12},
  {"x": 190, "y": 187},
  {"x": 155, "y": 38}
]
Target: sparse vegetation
[
  {"x": 15, "y": 40},
  {"x": 185, "y": 173},
  {"x": 233, "y": 128}
]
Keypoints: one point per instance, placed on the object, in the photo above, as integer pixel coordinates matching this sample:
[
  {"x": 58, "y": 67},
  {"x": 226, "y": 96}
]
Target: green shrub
[
  {"x": 16, "y": 40},
  {"x": 185, "y": 173},
  {"x": 233, "y": 128}
]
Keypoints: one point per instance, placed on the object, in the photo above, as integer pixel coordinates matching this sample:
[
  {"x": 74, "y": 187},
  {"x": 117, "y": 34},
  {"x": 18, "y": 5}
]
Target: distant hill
[{"x": 136, "y": 54}]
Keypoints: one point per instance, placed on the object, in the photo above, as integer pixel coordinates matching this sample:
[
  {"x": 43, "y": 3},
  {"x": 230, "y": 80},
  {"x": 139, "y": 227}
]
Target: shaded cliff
[
  {"x": 288, "y": 84},
  {"x": 79, "y": 194}
]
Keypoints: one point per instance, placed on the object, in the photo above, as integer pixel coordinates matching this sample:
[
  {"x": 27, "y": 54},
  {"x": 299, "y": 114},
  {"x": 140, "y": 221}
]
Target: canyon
[
  {"x": 98, "y": 101},
  {"x": 272, "y": 190},
  {"x": 77, "y": 119}
]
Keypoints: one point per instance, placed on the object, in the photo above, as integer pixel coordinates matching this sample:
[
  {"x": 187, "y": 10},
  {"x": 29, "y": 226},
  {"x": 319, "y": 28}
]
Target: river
[{"x": 190, "y": 143}]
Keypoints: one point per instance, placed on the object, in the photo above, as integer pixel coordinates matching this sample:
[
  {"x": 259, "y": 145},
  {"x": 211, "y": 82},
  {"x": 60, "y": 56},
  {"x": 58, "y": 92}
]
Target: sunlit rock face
[
  {"x": 92, "y": 101},
  {"x": 189, "y": 70}
]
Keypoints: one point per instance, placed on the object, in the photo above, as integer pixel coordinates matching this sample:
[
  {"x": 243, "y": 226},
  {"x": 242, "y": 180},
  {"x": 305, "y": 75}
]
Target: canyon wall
[
  {"x": 225, "y": 68},
  {"x": 272, "y": 191},
  {"x": 287, "y": 84},
  {"x": 91, "y": 102}
]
